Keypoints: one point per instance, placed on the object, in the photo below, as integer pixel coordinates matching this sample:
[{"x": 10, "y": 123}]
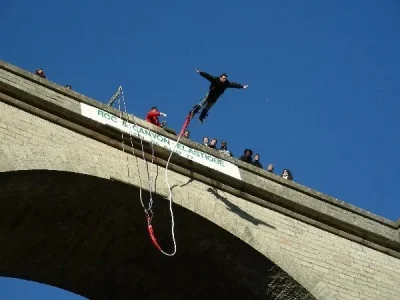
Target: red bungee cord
[
  {"x": 151, "y": 232},
  {"x": 185, "y": 125}
]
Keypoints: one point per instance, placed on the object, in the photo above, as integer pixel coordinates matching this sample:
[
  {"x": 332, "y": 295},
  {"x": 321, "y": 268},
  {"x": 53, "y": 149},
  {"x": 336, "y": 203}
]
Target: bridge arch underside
[{"x": 88, "y": 235}]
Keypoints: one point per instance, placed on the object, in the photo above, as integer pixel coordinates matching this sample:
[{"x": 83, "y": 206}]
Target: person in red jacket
[{"x": 152, "y": 116}]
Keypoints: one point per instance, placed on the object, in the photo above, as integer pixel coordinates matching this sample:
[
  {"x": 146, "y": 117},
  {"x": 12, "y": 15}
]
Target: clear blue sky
[{"x": 323, "y": 96}]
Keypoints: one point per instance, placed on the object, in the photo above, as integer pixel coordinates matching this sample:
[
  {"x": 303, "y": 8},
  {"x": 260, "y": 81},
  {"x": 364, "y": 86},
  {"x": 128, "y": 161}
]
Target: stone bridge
[{"x": 71, "y": 171}]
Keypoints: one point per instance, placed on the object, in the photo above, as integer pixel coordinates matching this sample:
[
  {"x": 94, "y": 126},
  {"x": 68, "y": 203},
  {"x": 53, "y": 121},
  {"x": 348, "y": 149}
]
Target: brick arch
[
  {"x": 88, "y": 235},
  {"x": 323, "y": 259},
  {"x": 43, "y": 145}
]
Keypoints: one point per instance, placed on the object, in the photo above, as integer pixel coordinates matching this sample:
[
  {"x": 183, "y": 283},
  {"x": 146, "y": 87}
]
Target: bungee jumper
[{"x": 218, "y": 85}]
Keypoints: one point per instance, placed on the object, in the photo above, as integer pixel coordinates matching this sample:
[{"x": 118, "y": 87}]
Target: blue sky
[{"x": 323, "y": 96}]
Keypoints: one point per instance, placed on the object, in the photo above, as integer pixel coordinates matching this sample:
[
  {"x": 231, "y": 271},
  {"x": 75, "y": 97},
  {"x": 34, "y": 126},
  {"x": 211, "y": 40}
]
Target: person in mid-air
[
  {"x": 152, "y": 116},
  {"x": 217, "y": 87}
]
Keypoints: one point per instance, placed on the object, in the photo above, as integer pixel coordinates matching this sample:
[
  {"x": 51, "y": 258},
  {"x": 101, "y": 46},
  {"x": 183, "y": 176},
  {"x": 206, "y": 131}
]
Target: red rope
[
  {"x": 185, "y": 125},
  {"x": 151, "y": 233}
]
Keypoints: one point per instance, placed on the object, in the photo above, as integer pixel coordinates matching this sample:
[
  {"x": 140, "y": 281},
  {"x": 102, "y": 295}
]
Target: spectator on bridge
[
  {"x": 205, "y": 141},
  {"x": 256, "y": 161},
  {"x": 247, "y": 156},
  {"x": 152, "y": 116},
  {"x": 186, "y": 134},
  {"x": 286, "y": 174},
  {"x": 213, "y": 143},
  {"x": 40, "y": 72},
  {"x": 270, "y": 168},
  {"x": 224, "y": 149}
]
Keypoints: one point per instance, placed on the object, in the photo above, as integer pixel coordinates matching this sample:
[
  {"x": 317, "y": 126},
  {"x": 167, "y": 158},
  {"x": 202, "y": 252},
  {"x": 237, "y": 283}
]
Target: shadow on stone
[
  {"x": 182, "y": 185},
  {"x": 237, "y": 210},
  {"x": 189, "y": 181}
]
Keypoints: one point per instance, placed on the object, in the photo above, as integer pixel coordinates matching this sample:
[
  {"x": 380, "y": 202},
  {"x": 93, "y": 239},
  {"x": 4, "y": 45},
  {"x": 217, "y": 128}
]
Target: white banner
[{"x": 197, "y": 156}]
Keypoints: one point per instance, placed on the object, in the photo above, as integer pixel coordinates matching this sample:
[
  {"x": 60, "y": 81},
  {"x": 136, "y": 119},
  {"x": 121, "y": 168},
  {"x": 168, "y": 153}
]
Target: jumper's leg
[
  {"x": 198, "y": 106},
  {"x": 204, "y": 112}
]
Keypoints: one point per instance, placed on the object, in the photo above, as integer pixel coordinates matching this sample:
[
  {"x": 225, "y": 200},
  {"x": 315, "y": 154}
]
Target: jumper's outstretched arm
[
  {"x": 235, "y": 85},
  {"x": 207, "y": 76}
]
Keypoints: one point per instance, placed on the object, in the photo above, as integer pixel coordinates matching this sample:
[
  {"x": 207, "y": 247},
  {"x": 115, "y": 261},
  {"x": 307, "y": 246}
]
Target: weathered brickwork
[{"x": 329, "y": 266}]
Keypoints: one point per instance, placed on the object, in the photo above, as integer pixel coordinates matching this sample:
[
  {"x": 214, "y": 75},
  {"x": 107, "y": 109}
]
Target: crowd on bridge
[
  {"x": 152, "y": 117},
  {"x": 247, "y": 155}
]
